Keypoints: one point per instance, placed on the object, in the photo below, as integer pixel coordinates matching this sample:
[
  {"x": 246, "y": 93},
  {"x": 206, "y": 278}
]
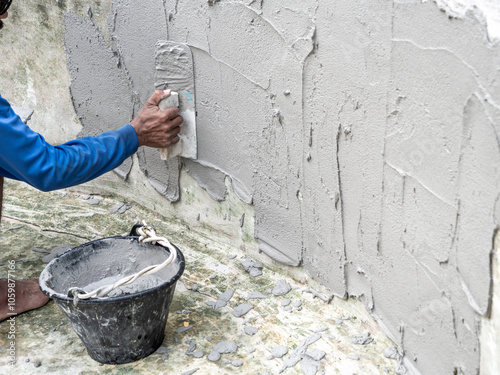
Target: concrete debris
[
  {"x": 224, "y": 299},
  {"x": 237, "y": 363},
  {"x": 279, "y": 351},
  {"x": 299, "y": 353},
  {"x": 391, "y": 352},
  {"x": 256, "y": 295},
  {"x": 316, "y": 354},
  {"x": 309, "y": 366},
  {"x": 225, "y": 347},
  {"x": 183, "y": 329},
  {"x": 191, "y": 349},
  {"x": 281, "y": 288},
  {"x": 252, "y": 267},
  {"x": 214, "y": 356},
  {"x": 316, "y": 294},
  {"x": 43, "y": 251},
  {"x": 163, "y": 349},
  {"x": 242, "y": 309},
  {"x": 249, "y": 330},
  {"x": 362, "y": 339}
]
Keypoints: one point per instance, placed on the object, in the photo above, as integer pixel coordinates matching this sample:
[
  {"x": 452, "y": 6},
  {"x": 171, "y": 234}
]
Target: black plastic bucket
[{"x": 120, "y": 329}]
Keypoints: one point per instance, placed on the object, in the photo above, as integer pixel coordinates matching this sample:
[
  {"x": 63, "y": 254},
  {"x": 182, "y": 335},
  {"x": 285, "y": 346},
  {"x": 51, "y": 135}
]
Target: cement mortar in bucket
[{"x": 129, "y": 324}]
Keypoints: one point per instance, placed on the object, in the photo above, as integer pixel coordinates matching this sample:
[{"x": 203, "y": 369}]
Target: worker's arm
[{"x": 26, "y": 156}]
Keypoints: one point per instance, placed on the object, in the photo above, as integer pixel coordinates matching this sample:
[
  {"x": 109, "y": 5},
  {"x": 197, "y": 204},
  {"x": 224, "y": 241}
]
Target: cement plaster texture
[{"x": 364, "y": 133}]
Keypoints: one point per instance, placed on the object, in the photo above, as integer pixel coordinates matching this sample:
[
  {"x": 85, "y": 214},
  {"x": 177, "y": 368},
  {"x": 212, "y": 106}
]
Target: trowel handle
[{"x": 170, "y": 101}]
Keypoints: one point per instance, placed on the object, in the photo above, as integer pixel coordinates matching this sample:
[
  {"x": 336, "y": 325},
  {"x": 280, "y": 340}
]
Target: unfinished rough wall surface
[{"x": 365, "y": 134}]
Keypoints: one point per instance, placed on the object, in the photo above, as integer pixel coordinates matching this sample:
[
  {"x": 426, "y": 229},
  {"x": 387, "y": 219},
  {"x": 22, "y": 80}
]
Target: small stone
[
  {"x": 249, "y": 330},
  {"x": 37, "y": 250},
  {"x": 242, "y": 309},
  {"x": 224, "y": 299},
  {"x": 16, "y": 227},
  {"x": 116, "y": 207},
  {"x": 279, "y": 351},
  {"x": 297, "y": 304},
  {"x": 190, "y": 372},
  {"x": 27, "y": 360},
  {"x": 285, "y": 302},
  {"x": 270, "y": 357},
  {"x": 316, "y": 354},
  {"x": 309, "y": 366},
  {"x": 391, "y": 352},
  {"x": 94, "y": 202},
  {"x": 198, "y": 354},
  {"x": 38, "y": 364},
  {"x": 252, "y": 267},
  {"x": 281, "y": 288},
  {"x": 256, "y": 295},
  {"x": 214, "y": 356},
  {"x": 354, "y": 357},
  {"x": 183, "y": 329},
  {"x": 362, "y": 339},
  {"x": 164, "y": 356},
  {"x": 232, "y": 257},
  {"x": 225, "y": 347},
  {"x": 237, "y": 363},
  {"x": 194, "y": 287},
  {"x": 163, "y": 349},
  {"x": 192, "y": 348}
]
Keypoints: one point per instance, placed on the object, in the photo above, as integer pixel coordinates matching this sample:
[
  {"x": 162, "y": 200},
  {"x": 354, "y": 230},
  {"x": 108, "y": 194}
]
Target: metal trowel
[{"x": 175, "y": 71}]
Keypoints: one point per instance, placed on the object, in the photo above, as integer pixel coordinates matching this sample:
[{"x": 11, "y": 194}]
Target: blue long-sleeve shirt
[{"x": 26, "y": 156}]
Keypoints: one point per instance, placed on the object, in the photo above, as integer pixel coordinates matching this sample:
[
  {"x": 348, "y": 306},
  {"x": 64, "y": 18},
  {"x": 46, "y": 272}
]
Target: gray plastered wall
[{"x": 364, "y": 133}]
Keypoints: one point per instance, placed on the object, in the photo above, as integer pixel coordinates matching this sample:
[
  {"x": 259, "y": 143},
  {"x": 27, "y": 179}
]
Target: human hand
[{"x": 156, "y": 127}]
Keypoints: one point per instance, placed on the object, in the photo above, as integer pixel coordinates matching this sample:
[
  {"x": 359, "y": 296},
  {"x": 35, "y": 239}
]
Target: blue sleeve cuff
[{"x": 129, "y": 135}]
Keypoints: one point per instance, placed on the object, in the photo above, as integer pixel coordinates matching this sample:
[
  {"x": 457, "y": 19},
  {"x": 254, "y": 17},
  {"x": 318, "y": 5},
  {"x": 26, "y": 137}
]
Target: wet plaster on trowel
[{"x": 365, "y": 135}]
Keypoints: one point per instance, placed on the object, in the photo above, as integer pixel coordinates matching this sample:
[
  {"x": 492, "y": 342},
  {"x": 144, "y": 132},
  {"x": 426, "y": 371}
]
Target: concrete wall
[{"x": 355, "y": 139}]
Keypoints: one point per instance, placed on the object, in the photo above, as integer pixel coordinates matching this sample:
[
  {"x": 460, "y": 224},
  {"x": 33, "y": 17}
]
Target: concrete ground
[{"x": 319, "y": 337}]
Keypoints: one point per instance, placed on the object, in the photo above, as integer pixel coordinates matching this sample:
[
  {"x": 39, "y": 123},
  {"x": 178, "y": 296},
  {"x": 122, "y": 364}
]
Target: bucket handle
[
  {"x": 133, "y": 231},
  {"x": 146, "y": 234}
]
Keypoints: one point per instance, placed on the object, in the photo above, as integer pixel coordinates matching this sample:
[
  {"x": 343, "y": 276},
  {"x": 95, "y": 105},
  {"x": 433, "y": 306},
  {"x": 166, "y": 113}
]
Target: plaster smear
[
  {"x": 365, "y": 134},
  {"x": 104, "y": 102}
]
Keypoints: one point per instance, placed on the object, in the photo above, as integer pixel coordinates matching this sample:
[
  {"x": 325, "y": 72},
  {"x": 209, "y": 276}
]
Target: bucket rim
[{"x": 51, "y": 293}]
